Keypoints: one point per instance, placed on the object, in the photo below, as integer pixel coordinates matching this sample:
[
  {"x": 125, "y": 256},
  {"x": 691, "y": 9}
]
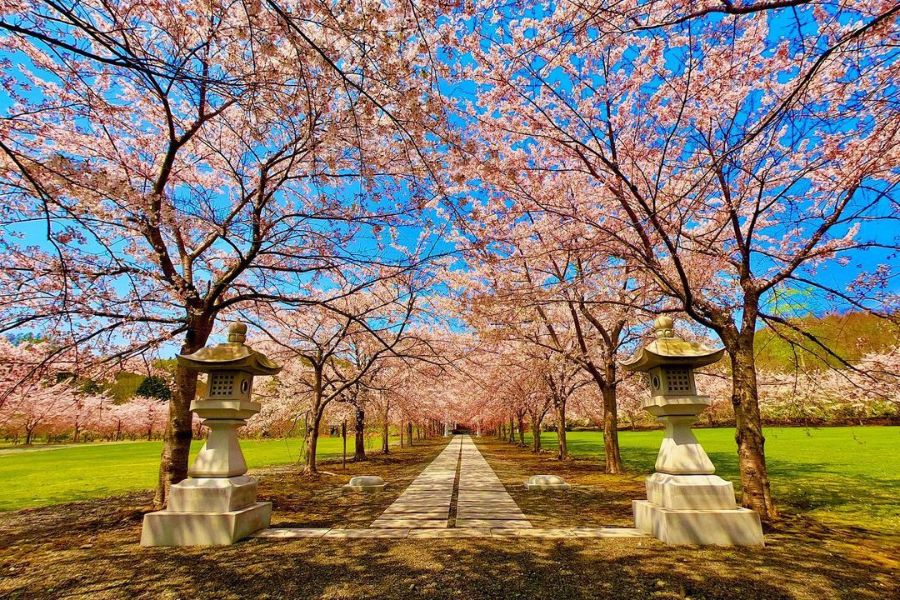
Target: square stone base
[
  {"x": 731, "y": 527},
  {"x": 212, "y": 494},
  {"x": 165, "y": 528},
  {"x": 690, "y": 492}
]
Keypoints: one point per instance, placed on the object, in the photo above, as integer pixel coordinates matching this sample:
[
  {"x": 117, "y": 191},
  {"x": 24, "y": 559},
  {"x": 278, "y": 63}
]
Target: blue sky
[{"x": 832, "y": 275}]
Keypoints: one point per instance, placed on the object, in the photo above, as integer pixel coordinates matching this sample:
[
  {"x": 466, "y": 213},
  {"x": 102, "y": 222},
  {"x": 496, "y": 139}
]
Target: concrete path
[
  {"x": 482, "y": 501},
  {"x": 425, "y": 504}
]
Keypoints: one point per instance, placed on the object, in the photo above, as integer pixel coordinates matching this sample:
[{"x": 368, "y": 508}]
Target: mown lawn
[
  {"x": 839, "y": 475},
  {"x": 46, "y": 475}
]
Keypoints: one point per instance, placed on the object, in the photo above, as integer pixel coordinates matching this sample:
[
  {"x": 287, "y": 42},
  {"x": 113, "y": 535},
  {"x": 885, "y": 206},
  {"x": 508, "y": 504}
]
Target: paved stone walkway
[
  {"x": 425, "y": 504},
  {"x": 483, "y": 507},
  {"x": 482, "y": 499}
]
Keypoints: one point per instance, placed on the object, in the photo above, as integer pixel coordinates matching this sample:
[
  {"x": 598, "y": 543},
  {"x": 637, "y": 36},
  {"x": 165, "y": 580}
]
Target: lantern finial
[
  {"x": 664, "y": 326},
  {"x": 237, "y": 333}
]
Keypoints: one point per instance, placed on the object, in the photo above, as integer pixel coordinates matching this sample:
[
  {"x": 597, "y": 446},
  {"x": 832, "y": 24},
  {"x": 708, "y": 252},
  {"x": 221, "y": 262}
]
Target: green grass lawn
[
  {"x": 840, "y": 475},
  {"x": 51, "y": 475}
]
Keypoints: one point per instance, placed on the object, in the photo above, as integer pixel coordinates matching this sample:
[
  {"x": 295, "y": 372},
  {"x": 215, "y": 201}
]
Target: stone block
[
  {"x": 698, "y": 492},
  {"x": 546, "y": 482},
  {"x": 365, "y": 483},
  {"x": 735, "y": 527},
  {"x": 212, "y": 494},
  {"x": 166, "y": 528}
]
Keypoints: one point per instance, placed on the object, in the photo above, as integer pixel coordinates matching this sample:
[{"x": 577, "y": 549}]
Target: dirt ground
[{"x": 90, "y": 550}]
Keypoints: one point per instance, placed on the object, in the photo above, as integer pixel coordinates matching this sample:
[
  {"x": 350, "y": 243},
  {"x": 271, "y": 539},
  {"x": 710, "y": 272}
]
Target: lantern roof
[
  {"x": 234, "y": 354},
  {"x": 669, "y": 349}
]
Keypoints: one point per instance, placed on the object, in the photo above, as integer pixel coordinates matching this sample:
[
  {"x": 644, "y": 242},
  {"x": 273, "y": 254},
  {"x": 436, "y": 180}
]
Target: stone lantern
[
  {"x": 216, "y": 504},
  {"x": 686, "y": 503}
]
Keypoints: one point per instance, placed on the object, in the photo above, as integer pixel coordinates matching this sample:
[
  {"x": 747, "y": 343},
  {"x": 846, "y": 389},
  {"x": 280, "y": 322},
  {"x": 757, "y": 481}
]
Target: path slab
[
  {"x": 494, "y": 523},
  {"x": 482, "y": 500},
  {"x": 383, "y": 522},
  {"x": 366, "y": 533},
  {"x": 456, "y": 532},
  {"x": 290, "y": 533}
]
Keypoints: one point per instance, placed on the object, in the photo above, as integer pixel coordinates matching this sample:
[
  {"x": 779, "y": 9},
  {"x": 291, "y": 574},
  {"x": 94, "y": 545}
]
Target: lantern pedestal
[
  {"x": 216, "y": 505},
  {"x": 686, "y": 503}
]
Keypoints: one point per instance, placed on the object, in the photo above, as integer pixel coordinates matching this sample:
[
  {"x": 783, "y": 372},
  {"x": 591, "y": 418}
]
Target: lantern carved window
[{"x": 221, "y": 385}]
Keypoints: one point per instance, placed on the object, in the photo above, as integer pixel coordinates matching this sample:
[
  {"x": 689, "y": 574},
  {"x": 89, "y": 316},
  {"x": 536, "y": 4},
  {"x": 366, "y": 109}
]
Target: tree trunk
[
  {"x": 611, "y": 430},
  {"x": 173, "y": 464},
  {"x": 536, "y": 436},
  {"x": 386, "y": 437},
  {"x": 512, "y": 430},
  {"x": 359, "y": 438},
  {"x": 409, "y": 433},
  {"x": 756, "y": 491},
  {"x": 312, "y": 443},
  {"x": 562, "y": 451},
  {"x": 521, "y": 425}
]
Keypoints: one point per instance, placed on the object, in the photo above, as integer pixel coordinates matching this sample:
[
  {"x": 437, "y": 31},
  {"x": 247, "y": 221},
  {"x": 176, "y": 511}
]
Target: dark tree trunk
[
  {"x": 386, "y": 437},
  {"x": 359, "y": 438},
  {"x": 562, "y": 451},
  {"x": 409, "y": 436},
  {"x": 173, "y": 463},
  {"x": 512, "y": 431},
  {"x": 536, "y": 436},
  {"x": 611, "y": 430},
  {"x": 756, "y": 490},
  {"x": 312, "y": 445}
]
